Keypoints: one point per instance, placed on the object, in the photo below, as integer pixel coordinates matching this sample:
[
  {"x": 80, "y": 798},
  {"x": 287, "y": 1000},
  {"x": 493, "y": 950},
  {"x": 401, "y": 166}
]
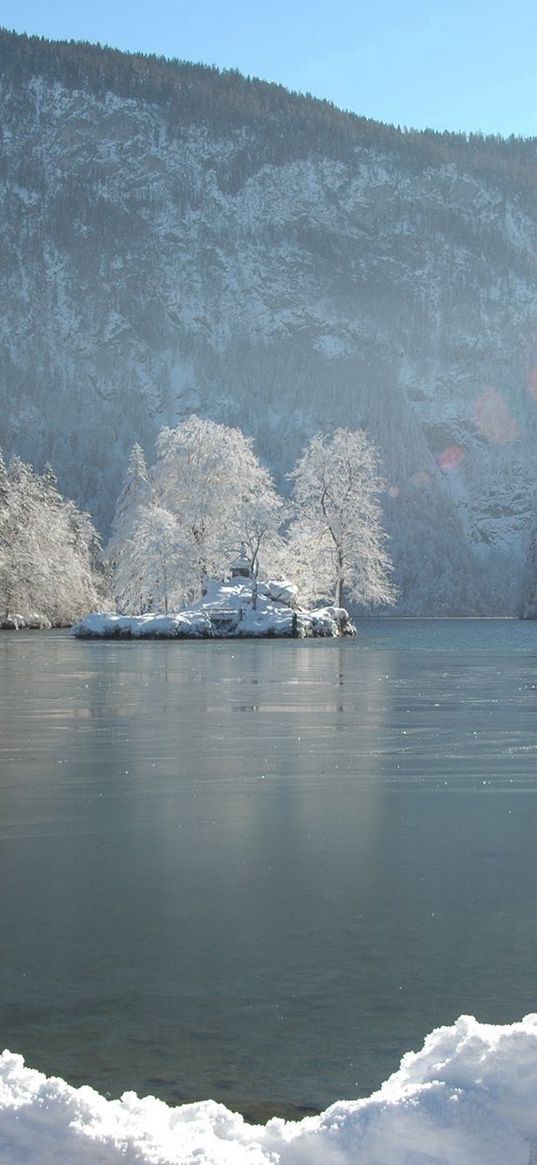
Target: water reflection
[{"x": 261, "y": 871}]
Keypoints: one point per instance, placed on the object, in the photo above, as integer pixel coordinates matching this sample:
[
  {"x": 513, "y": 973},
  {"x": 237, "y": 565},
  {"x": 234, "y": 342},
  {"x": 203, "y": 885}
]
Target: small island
[{"x": 239, "y": 607}]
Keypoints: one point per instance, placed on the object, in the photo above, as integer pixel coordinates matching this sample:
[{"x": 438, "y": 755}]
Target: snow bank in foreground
[
  {"x": 469, "y": 1097},
  {"x": 226, "y": 611}
]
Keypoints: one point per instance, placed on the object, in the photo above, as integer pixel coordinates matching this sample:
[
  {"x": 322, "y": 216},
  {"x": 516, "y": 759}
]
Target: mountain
[{"x": 179, "y": 239}]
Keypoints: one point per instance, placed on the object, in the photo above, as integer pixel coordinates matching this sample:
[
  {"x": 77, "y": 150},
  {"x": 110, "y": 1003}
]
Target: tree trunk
[{"x": 340, "y": 581}]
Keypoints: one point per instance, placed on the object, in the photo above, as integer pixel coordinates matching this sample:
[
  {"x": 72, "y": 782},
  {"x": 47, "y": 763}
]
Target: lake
[{"x": 261, "y": 871}]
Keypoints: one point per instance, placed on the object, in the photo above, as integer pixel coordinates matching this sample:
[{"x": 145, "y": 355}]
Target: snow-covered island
[{"x": 239, "y": 607}]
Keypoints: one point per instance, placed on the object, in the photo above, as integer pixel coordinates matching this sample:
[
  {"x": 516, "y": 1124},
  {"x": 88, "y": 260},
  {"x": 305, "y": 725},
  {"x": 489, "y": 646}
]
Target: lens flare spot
[
  {"x": 420, "y": 478},
  {"x": 393, "y": 491},
  {"x": 493, "y": 418},
  {"x": 450, "y": 458}
]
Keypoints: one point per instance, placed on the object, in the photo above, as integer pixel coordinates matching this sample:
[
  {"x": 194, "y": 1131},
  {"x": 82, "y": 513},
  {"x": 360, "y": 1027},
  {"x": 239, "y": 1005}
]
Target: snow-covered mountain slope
[{"x": 174, "y": 239}]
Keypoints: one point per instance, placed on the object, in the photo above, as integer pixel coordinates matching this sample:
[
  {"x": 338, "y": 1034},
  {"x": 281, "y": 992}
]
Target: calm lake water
[{"x": 260, "y": 872}]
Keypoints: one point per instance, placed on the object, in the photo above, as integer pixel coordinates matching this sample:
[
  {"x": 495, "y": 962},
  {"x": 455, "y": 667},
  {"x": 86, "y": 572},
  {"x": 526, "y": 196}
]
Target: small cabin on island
[{"x": 241, "y": 567}]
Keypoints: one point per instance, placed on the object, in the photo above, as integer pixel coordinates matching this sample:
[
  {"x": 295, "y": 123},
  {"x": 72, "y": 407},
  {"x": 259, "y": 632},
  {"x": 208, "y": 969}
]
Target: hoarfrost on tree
[
  {"x": 49, "y": 551},
  {"x": 179, "y": 523},
  {"x": 337, "y": 535}
]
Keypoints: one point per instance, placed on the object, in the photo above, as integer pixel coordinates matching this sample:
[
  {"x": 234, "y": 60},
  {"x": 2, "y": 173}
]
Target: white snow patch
[{"x": 467, "y": 1098}]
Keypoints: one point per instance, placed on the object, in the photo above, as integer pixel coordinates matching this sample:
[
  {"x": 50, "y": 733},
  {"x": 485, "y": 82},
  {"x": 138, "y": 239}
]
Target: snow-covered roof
[{"x": 241, "y": 563}]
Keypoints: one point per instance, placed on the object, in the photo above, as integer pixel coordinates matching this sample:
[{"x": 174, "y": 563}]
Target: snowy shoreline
[
  {"x": 28, "y": 623},
  {"x": 466, "y": 1098},
  {"x": 234, "y": 609}
]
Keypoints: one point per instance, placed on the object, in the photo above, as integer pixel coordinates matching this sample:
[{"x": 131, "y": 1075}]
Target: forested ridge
[{"x": 198, "y": 94}]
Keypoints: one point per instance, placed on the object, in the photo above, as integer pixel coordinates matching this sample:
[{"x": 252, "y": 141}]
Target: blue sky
[{"x": 448, "y": 65}]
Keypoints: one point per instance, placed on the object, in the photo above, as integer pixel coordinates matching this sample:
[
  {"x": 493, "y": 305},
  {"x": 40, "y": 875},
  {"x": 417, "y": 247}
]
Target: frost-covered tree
[
  {"x": 336, "y": 538},
  {"x": 83, "y": 579},
  {"x": 150, "y": 566},
  {"x": 260, "y": 520},
  {"x": 48, "y": 549},
  {"x": 125, "y": 554},
  {"x": 29, "y": 544},
  {"x": 135, "y": 492},
  {"x": 9, "y": 566},
  {"x": 180, "y": 522},
  {"x": 208, "y": 476}
]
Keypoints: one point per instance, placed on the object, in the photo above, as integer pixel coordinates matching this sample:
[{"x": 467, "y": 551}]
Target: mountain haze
[{"x": 178, "y": 239}]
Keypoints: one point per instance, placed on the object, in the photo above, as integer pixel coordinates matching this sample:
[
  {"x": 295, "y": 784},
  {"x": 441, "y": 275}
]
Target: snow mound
[
  {"x": 226, "y": 611},
  {"x": 467, "y": 1098}
]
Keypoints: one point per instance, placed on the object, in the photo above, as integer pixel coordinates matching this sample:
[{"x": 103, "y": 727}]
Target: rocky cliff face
[{"x": 175, "y": 240}]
